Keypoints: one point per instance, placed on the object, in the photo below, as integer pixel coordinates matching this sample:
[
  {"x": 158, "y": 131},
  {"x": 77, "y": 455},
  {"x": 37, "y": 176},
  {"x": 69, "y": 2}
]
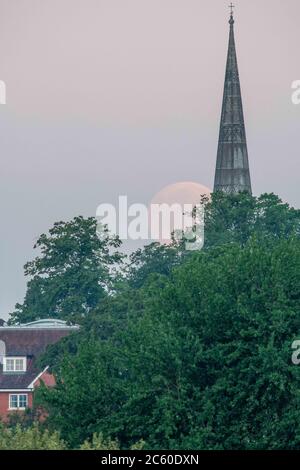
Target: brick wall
[{"x": 4, "y": 403}]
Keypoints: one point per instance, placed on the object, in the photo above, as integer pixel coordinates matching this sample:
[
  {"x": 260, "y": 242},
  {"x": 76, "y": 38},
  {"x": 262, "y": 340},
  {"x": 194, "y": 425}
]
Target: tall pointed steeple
[{"x": 232, "y": 169}]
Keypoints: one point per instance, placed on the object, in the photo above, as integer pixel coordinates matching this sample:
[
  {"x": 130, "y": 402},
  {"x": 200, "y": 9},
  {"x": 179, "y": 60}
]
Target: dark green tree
[
  {"x": 192, "y": 351},
  {"x": 88, "y": 390},
  {"x": 204, "y": 364},
  {"x": 153, "y": 259},
  {"x": 237, "y": 217},
  {"x": 209, "y": 363},
  {"x": 72, "y": 274},
  {"x": 228, "y": 218}
]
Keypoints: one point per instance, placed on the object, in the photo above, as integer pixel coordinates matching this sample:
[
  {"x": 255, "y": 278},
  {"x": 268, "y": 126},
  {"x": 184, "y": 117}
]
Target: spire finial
[{"x": 231, "y": 6}]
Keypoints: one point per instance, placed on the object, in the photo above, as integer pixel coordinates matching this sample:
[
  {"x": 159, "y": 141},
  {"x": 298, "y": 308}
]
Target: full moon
[{"x": 183, "y": 194}]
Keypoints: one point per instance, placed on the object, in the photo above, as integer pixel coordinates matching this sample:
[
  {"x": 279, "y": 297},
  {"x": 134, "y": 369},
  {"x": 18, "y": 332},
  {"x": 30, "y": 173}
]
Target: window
[
  {"x": 19, "y": 364},
  {"x": 22, "y": 401},
  {"x": 13, "y": 402},
  {"x": 9, "y": 365},
  {"x": 14, "y": 364},
  {"x": 18, "y": 402}
]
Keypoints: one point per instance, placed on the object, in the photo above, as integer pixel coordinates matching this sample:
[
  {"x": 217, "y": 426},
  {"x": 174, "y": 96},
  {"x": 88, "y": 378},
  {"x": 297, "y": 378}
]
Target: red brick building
[{"x": 20, "y": 346}]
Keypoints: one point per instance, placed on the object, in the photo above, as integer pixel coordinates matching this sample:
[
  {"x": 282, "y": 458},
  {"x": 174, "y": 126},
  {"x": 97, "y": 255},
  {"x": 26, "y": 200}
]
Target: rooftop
[
  {"x": 29, "y": 340},
  {"x": 45, "y": 324}
]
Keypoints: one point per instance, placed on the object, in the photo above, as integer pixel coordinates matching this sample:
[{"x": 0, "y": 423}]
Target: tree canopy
[
  {"x": 182, "y": 350},
  {"x": 205, "y": 364},
  {"x": 72, "y": 274}
]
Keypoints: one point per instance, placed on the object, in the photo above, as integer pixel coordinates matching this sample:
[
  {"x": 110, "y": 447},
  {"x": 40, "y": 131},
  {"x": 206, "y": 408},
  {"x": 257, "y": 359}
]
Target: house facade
[{"x": 20, "y": 347}]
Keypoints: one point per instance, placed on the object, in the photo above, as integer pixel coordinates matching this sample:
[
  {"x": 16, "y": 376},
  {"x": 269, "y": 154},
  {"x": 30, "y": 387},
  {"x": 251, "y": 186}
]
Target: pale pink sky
[{"x": 109, "y": 97}]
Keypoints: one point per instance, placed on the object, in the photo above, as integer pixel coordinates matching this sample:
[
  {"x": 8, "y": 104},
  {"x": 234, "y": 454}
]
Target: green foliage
[
  {"x": 25, "y": 419},
  {"x": 88, "y": 388},
  {"x": 237, "y": 217},
  {"x": 71, "y": 275},
  {"x": 18, "y": 438},
  {"x": 34, "y": 437},
  {"x": 192, "y": 351},
  {"x": 99, "y": 443},
  {"x": 207, "y": 364},
  {"x": 153, "y": 259}
]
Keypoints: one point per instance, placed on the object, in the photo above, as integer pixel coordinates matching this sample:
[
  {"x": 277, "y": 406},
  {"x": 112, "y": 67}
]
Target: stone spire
[{"x": 232, "y": 169}]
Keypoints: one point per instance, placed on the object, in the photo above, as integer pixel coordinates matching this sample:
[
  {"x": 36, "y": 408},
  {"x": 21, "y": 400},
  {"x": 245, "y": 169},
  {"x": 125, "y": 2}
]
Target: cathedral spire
[{"x": 232, "y": 169}]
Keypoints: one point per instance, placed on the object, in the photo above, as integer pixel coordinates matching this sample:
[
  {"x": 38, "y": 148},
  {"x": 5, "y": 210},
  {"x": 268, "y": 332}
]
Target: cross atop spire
[{"x": 231, "y": 6}]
